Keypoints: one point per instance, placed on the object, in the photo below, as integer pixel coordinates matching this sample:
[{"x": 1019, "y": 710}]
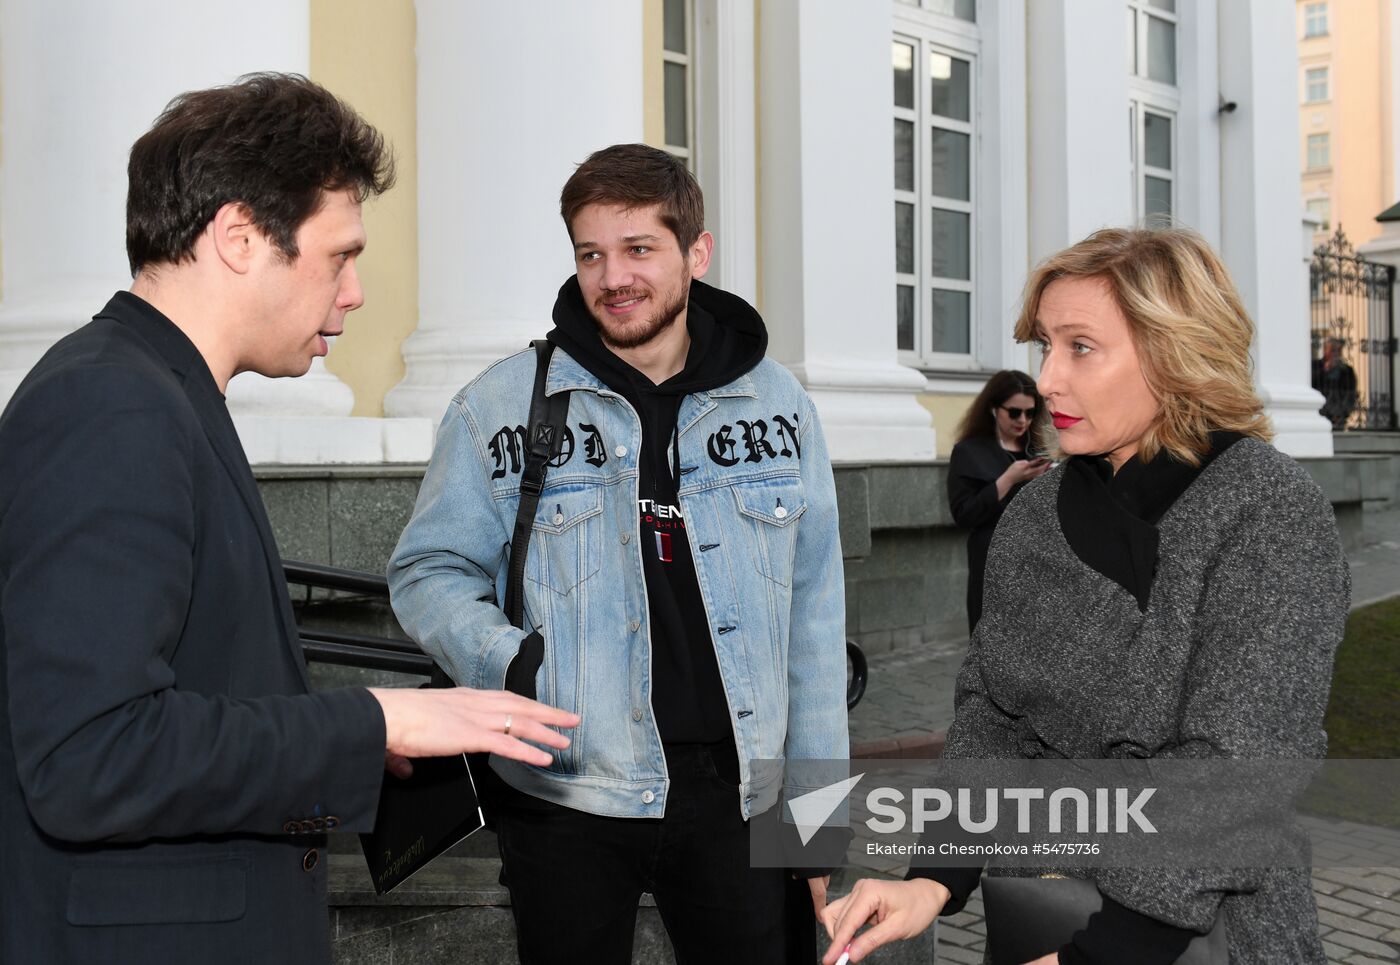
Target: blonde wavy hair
[{"x": 1189, "y": 327}]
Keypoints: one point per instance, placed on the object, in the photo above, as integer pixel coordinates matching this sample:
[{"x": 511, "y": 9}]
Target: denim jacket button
[
  {"x": 620, "y": 451},
  {"x": 648, "y": 797},
  {"x": 626, "y": 537},
  {"x": 634, "y": 625},
  {"x": 780, "y": 512},
  {"x": 636, "y": 714}
]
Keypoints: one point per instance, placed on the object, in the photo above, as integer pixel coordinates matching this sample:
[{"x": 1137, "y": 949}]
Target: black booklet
[{"x": 419, "y": 818}]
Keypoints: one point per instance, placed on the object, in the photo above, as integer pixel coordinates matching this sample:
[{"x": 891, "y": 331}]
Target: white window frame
[
  {"x": 1308, "y": 152},
  {"x": 686, "y": 60},
  {"x": 1147, "y": 96},
  {"x": 1315, "y": 13},
  {"x": 929, "y": 32},
  {"x": 1326, "y": 84}
]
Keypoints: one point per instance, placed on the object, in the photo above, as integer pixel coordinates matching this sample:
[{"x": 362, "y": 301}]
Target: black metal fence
[{"x": 1353, "y": 337}]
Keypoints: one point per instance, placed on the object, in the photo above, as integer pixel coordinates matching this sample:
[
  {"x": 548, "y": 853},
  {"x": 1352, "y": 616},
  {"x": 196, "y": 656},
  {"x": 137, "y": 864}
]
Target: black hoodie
[{"x": 727, "y": 339}]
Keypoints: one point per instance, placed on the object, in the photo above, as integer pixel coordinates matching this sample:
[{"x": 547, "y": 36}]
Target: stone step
[{"x": 455, "y": 911}]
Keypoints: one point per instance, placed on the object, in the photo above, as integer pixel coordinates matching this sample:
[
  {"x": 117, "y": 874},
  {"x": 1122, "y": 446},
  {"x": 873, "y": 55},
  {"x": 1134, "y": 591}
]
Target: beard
[{"x": 638, "y": 333}]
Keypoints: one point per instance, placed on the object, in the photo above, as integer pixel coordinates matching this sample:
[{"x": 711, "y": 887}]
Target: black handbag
[{"x": 1031, "y": 917}]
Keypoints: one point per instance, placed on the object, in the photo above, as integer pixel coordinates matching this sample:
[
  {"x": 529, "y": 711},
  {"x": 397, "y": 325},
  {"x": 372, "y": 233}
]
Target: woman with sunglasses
[{"x": 991, "y": 461}]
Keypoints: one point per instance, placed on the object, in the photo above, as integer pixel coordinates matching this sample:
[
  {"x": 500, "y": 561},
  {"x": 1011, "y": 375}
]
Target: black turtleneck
[{"x": 727, "y": 339}]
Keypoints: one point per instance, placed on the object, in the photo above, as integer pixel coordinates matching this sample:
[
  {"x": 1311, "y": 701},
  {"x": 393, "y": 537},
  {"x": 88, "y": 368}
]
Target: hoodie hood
[{"x": 727, "y": 339}]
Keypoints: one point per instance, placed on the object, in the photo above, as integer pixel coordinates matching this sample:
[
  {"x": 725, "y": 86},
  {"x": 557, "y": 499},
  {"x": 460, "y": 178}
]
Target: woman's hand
[
  {"x": 898, "y": 910},
  {"x": 1020, "y": 471}
]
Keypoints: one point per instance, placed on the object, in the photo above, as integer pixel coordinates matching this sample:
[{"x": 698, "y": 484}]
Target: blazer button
[
  {"x": 318, "y": 824},
  {"x": 332, "y": 822},
  {"x": 291, "y": 827},
  {"x": 307, "y": 827},
  {"x": 309, "y": 860}
]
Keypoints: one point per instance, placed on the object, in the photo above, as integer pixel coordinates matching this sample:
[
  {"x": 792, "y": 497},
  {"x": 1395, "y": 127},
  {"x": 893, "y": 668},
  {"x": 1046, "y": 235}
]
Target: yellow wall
[
  {"x": 364, "y": 51},
  {"x": 947, "y": 411},
  {"x": 653, "y": 73}
]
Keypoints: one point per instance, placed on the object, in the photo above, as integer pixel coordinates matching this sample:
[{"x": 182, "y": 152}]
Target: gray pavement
[{"x": 909, "y": 702}]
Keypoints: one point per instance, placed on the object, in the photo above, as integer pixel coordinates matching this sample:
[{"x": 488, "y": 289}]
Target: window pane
[
  {"x": 962, "y": 9},
  {"x": 676, "y": 106},
  {"x": 948, "y": 245},
  {"x": 1132, "y": 43},
  {"x": 1317, "y": 84},
  {"x": 674, "y": 26},
  {"x": 1161, "y": 50},
  {"x": 1319, "y": 151},
  {"x": 1167, "y": 5},
  {"x": 950, "y": 95},
  {"x": 951, "y": 322},
  {"x": 904, "y": 300},
  {"x": 903, "y": 75},
  {"x": 1157, "y": 140},
  {"x": 904, "y": 155},
  {"x": 1159, "y": 201},
  {"x": 1321, "y": 208},
  {"x": 903, "y": 238},
  {"x": 949, "y": 162}
]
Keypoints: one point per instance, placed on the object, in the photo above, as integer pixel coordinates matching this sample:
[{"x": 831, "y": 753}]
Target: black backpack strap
[{"x": 545, "y": 439}]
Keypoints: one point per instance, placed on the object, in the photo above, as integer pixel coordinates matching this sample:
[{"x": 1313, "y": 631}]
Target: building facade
[
  {"x": 879, "y": 178},
  {"x": 1349, "y": 86}
]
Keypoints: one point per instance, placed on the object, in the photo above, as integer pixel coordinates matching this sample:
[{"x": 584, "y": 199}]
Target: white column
[
  {"x": 1080, "y": 176},
  {"x": 511, "y": 97},
  {"x": 827, "y": 249},
  {"x": 726, "y": 142},
  {"x": 66, "y": 137},
  {"x": 1259, "y": 221}
]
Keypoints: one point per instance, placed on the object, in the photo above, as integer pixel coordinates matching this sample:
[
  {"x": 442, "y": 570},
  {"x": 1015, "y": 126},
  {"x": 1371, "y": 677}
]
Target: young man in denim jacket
[{"x": 684, "y": 571}]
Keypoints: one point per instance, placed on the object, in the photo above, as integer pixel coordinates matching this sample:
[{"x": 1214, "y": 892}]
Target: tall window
[
  {"x": 1319, "y": 151},
  {"x": 1315, "y": 84},
  {"x": 677, "y": 44},
  {"x": 1153, "y": 105},
  {"x": 1315, "y": 20},
  {"x": 935, "y": 184}
]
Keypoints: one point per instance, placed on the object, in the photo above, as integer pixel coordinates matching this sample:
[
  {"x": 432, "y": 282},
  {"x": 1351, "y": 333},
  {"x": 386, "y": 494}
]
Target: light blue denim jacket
[{"x": 759, "y": 502}]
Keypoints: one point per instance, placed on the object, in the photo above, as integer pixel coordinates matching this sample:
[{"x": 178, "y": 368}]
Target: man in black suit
[{"x": 166, "y": 777}]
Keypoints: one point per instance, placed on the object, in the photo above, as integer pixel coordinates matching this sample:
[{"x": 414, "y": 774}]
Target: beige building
[{"x": 1347, "y": 81}]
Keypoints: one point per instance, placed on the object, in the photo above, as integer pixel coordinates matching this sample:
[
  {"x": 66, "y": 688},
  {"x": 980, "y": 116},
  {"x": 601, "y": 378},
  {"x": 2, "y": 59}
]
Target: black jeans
[{"x": 575, "y": 878}]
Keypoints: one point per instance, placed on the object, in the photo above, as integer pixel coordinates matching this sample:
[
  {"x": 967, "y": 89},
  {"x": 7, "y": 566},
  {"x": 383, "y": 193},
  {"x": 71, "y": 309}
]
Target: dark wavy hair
[
  {"x": 978, "y": 421},
  {"x": 273, "y": 142},
  {"x": 637, "y": 176}
]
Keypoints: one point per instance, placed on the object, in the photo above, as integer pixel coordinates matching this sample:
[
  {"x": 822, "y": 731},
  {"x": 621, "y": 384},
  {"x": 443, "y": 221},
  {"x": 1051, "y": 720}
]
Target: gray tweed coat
[{"x": 1232, "y": 659}]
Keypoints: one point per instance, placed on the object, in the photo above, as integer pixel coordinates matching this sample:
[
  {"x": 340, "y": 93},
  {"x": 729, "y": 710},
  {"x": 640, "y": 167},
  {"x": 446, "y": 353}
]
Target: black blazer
[
  {"x": 972, "y": 496},
  {"x": 165, "y": 777}
]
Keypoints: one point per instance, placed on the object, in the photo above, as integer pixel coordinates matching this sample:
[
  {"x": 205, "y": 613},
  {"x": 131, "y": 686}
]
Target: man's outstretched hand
[{"x": 437, "y": 722}]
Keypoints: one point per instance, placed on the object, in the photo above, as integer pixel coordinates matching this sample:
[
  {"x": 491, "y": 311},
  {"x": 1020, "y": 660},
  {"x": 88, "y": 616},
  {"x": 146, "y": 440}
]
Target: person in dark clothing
[
  {"x": 685, "y": 576},
  {"x": 1334, "y": 377},
  {"x": 992, "y": 459}
]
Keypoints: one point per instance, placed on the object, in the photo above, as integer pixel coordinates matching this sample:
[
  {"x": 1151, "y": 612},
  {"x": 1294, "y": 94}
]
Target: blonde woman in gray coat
[{"x": 1174, "y": 589}]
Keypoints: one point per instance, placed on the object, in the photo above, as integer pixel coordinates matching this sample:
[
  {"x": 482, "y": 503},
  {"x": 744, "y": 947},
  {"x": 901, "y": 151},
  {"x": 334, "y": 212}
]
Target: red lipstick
[{"x": 1063, "y": 421}]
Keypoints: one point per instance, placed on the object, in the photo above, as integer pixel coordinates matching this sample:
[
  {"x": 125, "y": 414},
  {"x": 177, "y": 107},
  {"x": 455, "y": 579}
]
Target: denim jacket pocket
[
  {"x": 773, "y": 506},
  {"x": 563, "y": 545}
]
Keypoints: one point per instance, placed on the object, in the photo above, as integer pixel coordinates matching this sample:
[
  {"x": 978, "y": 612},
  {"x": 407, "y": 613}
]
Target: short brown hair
[
  {"x": 637, "y": 176},
  {"x": 273, "y": 142},
  {"x": 1190, "y": 329}
]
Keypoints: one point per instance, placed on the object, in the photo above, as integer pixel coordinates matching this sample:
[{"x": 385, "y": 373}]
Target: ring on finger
[{"x": 509, "y": 718}]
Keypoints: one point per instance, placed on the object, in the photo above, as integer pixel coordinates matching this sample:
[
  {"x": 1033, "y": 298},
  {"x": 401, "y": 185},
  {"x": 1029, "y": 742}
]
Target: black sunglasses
[{"x": 1018, "y": 413}]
